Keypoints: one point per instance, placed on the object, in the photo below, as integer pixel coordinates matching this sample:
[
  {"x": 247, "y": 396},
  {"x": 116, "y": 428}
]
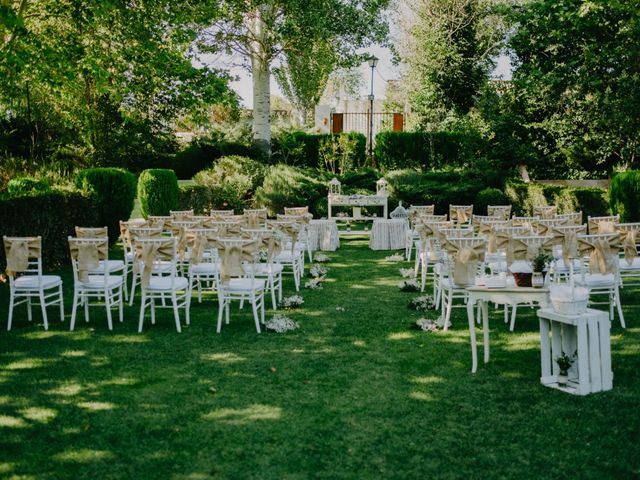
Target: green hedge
[
  {"x": 488, "y": 196},
  {"x": 202, "y": 154},
  {"x": 26, "y": 185},
  {"x": 523, "y": 196},
  {"x": 304, "y": 150},
  {"x": 624, "y": 196},
  {"x": 158, "y": 192},
  {"x": 429, "y": 151},
  {"x": 286, "y": 186},
  {"x": 115, "y": 192},
  {"x": 53, "y": 215}
]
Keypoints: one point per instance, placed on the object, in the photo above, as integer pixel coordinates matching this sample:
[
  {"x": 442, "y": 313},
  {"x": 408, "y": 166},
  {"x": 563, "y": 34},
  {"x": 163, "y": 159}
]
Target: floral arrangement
[
  {"x": 407, "y": 272},
  {"x": 423, "y": 303},
  {"x": 565, "y": 361},
  {"x": 280, "y": 324},
  {"x": 314, "y": 283},
  {"x": 394, "y": 258},
  {"x": 292, "y": 302},
  {"x": 321, "y": 258},
  {"x": 340, "y": 309},
  {"x": 427, "y": 325},
  {"x": 410, "y": 285},
  {"x": 317, "y": 271}
]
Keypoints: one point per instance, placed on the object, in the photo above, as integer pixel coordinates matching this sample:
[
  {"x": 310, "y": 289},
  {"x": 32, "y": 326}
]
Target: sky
[{"x": 384, "y": 72}]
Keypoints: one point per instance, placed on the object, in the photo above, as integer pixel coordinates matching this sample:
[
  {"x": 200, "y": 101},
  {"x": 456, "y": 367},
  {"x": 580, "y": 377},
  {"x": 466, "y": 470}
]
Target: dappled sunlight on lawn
[
  {"x": 423, "y": 396},
  {"x": 242, "y": 416},
  {"x": 66, "y": 389},
  {"x": 426, "y": 380},
  {"x": 228, "y": 357},
  {"x": 29, "y": 363},
  {"x": 39, "y": 414},
  {"x": 359, "y": 343},
  {"x": 138, "y": 338},
  {"x": 44, "y": 335},
  {"x": 96, "y": 406},
  {"x": 82, "y": 455},
  {"x": 73, "y": 353},
  {"x": 401, "y": 336},
  {"x": 7, "y": 421}
]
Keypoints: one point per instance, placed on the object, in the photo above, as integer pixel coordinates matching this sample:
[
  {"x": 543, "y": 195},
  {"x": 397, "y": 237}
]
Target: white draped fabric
[
  {"x": 388, "y": 234},
  {"x": 323, "y": 235}
]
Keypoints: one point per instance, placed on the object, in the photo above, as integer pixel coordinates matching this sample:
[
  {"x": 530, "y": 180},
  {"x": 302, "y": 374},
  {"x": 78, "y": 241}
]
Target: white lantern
[
  {"x": 381, "y": 187},
  {"x": 335, "y": 187}
]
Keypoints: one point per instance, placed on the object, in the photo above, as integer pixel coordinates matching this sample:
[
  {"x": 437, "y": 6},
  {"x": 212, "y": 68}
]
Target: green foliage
[
  {"x": 27, "y": 185},
  {"x": 624, "y": 196},
  {"x": 362, "y": 179},
  {"x": 286, "y": 186},
  {"x": 394, "y": 150},
  {"x": 523, "y": 196},
  {"x": 343, "y": 152},
  {"x": 202, "y": 199},
  {"x": 53, "y": 215},
  {"x": 202, "y": 154},
  {"x": 158, "y": 192},
  {"x": 115, "y": 192},
  {"x": 314, "y": 151},
  {"x": 488, "y": 196}
]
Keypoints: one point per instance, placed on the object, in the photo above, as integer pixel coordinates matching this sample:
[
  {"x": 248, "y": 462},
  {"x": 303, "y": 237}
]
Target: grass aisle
[{"x": 351, "y": 394}]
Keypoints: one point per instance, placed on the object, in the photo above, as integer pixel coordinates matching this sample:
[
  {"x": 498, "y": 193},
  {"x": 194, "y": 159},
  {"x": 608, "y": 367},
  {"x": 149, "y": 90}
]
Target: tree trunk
[{"x": 260, "y": 75}]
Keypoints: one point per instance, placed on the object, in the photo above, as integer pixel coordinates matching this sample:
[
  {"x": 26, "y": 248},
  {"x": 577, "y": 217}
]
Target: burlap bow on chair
[
  {"x": 146, "y": 254},
  {"x": 465, "y": 261},
  {"x": 428, "y": 234},
  {"x": 461, "y": 215},
  {"x": 499, "y": 211},
  {"x": 545, "y": 211},
  {"x": 273, "y": 245},
  {"x": 88, "y": 258},
  {"x": 199, "y": 241},
  {"x": 568, "y": 238},
  {"x": 18, "y": 254},
  {"x": 629, "y": 246},
  {"x": 606, "y": 226},
  {"x": 232, "y": 257},
  {"x": 602, "y": 252},
  {"x": 252, "y": 219},
  {"x": 290, "y": 229}
]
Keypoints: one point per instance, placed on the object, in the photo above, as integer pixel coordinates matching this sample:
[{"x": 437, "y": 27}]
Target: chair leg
[
  {"x": 514, "y": 309},
  {"x": 448, "y": 311},
  {"x": 43, "y": 307},
  {"x": 619, "y": 307},
  {"x": 143, "y": 306},
  {"x": 133, "y": 288},
  {"x": 29, "y": 310},
  {"x": 74, "y": 310},
  {"x": 423, "y": 275},
  {"x": 296, "y": 277},
  {"x": 107, "y": 303},
  {"x": 187, "y": 307},
  {"x": 86, "y": 308},
  {"x": 61, "y": 300},
  {"x": 176, "y": 314},
  {"x": 120, "y": 302},
  {"x": 11, "y": 303},
  {"x": 221, "y": 308},
  {"x": 254, "y": 307}
]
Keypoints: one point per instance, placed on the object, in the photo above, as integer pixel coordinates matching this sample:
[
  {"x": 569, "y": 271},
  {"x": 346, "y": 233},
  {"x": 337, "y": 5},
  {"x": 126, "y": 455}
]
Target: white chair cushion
[
  {"x": 164, "y": 284},
  {"x": 263, "y": 268},
  {"x": 112, "y": 266},
  {"x": 243, "y": 285},
  {"x": 96, "y": 282},
  {"x": 30, "y": 282},
  {"x": 635, "y": 265},
  {"x": 595, "y": 280},
  {"x": 204, "y": 268}
]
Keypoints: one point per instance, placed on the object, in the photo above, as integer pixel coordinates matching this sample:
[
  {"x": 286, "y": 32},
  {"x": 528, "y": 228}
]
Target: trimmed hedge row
[
  {"x": 53, "y": 215},
  {"x": 301, "y": 149},
  {"x": 624, "y": 196}
]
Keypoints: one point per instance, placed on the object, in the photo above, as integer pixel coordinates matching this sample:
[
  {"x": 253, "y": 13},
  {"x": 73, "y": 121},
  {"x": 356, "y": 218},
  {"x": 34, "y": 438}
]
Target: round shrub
[
  {"x": 489, "y": 196},
  {"x": 158, "y": 192},
  {"x": 26, "y": 185},
  {"x": 114, "y": 190},
  {"x": 624, "y": 195}
]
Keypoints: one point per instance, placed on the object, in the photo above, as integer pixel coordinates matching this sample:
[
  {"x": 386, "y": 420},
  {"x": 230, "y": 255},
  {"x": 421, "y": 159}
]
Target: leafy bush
[
  {"x": 286, "y": 186},
  {"x": 203, "y": 199},
  {"x": 364, "y": 178},
  {"x": 53, "y": 215},
  {"x": 624, "y": 195},
  {"x": 158, "y": 192},
  {"x": 488, "y": 196},
  {"x": 342, "y": 153},
  {"x": 115, "y": 192},
  {"x": 395, "y": 150},
  {"x": 27, "y": 185},
  {"x": 305, "y": 150},
  {"x": 202, "y": 154}
]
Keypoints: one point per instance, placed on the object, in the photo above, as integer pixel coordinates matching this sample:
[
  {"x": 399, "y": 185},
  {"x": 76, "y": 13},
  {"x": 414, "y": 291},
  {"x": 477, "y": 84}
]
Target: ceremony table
[
  {"x": 323, "y": 235},
  {"x": 510, "y": 295},
  {"x": 389, "y": 234}
]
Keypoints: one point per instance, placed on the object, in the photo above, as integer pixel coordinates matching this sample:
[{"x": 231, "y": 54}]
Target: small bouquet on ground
[
  {"x": 411, "y": 285},
  {"x": 292, "y": 302},
  {"x": 314, "y": 283},
  {"x": 407, "y": 272},
  {"x": 317, "y": 271},
  {"x": 280, "y": 324},
  {"x": 427, "y": 325},
  {"x": 321, "y": 258},
  {"x": 395, "y": 258},
  {"x": 423, "y": 303}
]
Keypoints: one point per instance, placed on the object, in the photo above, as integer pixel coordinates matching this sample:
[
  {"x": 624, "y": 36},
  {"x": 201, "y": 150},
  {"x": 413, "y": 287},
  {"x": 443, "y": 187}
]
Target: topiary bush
[
  {"x": 27, "y": 185},
  {"x": 53, "y": 215},
  {"x": 286, "y": 186},
  {"x": 115, "y": 193},
  {"x": 158, "y": 192},
  {"x": 624, "y": 195},
  {"x": 488, "y": 196}
]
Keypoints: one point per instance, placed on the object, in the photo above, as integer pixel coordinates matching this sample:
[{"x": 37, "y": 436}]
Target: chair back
[
  {"x": 544, "y": 225},
  {"x": 460, "y": 213},
  {"x": 86, "y": 255},
  {"x": 24, "y": 256},
  {"x": 238, "y": 257},
  {"x": 92, "y": 232},
  {"x": 603, "y": 224},
  {"x": 159, "y": 221},
  {"x": 296, "y": 211},
  {"x": 477, "y": 220},
  {"x": 602, "y": 250},
  {"x": 573, "y": 218},
  {"x": 201, "y": 240},
  {"x": 181, "y": 214},
  {"x": 464, "y": 256},
  {"x": 136, "y": 233},
  {"x": 222, "y": 213},
  {"x": 230, "y": 228},
  {"x": 499, "y": 211},
  {"x": 524, "y": 221},
  {"x": 423, "y": 209},
  {"x": 455, "y": 232},
  {"x": 545, "y": 211},
  {"x": 151, "y": 253}
]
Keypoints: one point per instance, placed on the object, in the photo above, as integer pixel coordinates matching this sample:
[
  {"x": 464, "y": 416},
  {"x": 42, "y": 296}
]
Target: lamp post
[{"x": 373, "y": 61}]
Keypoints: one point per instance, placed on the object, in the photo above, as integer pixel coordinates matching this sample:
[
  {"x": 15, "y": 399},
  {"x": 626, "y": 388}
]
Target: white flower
[
  {"x": 321, "y": 258},
  {"x": 411, "y": 285},
  {"x": 339, "y": 309},
  {"x": 318, "y": 271},
  {"x": 280, "y": 323},
  {"x": 407, "y": 272},
  {"x": 394, "y": 258},
  {"x": 294, "y": 301},
  {"x": 427, "y": 325},
  {"x": 314, "y": 283},
  {"x": 423, "y": 303}
]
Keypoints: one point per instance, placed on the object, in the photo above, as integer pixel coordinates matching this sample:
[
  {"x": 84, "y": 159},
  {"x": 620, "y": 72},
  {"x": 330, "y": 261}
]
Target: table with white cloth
[
  {"x": 323, "y": 235},
  {"x": 510, "y": 295},
  {"x": 389, "y": 234}
]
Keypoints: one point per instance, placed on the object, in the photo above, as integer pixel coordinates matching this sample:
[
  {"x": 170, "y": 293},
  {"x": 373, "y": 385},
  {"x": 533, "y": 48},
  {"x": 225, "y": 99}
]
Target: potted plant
[
  {"x": 564, "y": 362},
  {"x": 539, "y": 265}
]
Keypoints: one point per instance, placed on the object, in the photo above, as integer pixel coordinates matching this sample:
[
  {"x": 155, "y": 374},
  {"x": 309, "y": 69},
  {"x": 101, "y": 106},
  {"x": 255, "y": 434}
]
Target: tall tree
[
  {"x": 262, "y": 30},
  {"x": 578, "y": 76}
]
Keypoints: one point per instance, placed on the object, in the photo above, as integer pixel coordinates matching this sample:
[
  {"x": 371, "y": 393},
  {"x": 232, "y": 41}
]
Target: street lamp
[{"x": 373, "y": 61}]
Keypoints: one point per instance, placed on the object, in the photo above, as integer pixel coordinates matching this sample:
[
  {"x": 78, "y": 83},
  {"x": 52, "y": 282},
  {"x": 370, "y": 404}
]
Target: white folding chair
[
  {"x": 292, "y": 254},
  {"x": 629, "y": 262},
  {"x": 204, "y": 263},
  {"x": 271, "y": 247},
  {"x": 93, "y": 279},
  {"x": 26, "y": 280},
  {"x": 602, "y": 224},
  {"x": 499, "y": 211},
  {"x": 159, "y": 283},
  {"x": 132, "y": 235}
]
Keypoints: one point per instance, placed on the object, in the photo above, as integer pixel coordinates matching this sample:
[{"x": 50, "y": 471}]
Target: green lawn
[{"x": 353, "y": 394}]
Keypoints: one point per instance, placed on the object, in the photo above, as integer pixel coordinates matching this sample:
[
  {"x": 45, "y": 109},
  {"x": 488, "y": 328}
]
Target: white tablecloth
[
  {"x": 323, "y": 235},
  {"x": 388, "y": 234}
]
